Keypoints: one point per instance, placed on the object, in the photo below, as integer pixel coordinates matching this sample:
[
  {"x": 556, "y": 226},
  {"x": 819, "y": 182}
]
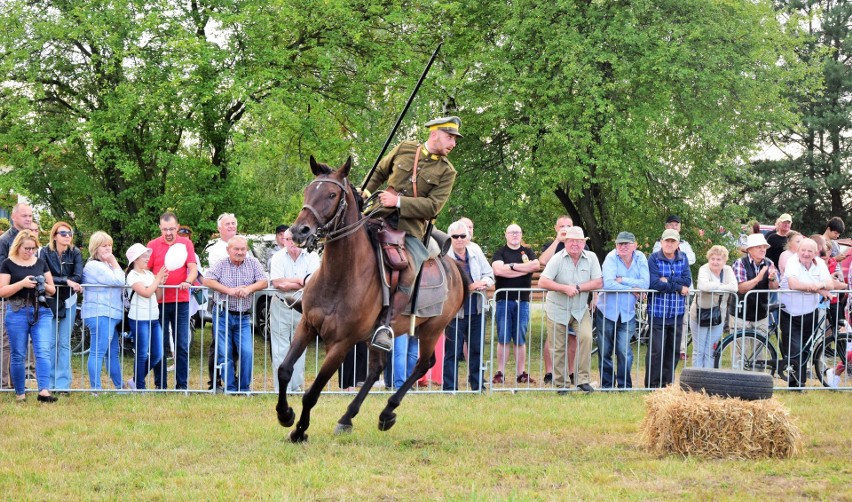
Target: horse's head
[{"x": 326, "y": 201}]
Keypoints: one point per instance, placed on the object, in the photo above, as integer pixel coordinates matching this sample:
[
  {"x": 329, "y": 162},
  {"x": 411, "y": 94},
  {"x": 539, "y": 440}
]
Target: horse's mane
[{"x": 359, "y": 200}]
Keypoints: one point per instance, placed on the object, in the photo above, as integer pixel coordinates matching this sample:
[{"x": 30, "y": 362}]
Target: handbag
[
  {"x": 712, "y": 316},
  {"x": 709, "y": 317}
]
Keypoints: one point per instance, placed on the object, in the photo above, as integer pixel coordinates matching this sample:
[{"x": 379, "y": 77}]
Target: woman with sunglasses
[
  {"x": 103, "y": 308},
  {"x": 65, "y": 262},
  {"x": 26, "y": 317}
]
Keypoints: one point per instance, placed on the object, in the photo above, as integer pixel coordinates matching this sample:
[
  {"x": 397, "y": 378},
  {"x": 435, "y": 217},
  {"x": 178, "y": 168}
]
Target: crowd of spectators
[{"x": 154, "y": 295}]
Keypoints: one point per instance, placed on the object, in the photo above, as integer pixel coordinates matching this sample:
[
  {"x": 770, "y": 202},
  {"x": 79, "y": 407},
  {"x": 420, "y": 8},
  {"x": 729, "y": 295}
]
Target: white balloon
[{"x": 175, "y": 257}]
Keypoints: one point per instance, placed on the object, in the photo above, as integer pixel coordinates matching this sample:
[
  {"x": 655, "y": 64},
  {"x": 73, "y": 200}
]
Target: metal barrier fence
[{"x": 642, "y": 352}]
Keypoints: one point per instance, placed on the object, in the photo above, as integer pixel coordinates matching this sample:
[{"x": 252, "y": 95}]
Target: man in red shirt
[{"x": 174, "y": 302}]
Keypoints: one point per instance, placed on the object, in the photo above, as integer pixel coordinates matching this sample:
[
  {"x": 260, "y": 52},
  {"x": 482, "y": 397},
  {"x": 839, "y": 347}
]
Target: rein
[{"x": 331, "y": 230}]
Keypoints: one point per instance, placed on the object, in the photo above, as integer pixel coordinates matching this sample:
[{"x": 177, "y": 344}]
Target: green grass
[{"x": 499, "y": 446}]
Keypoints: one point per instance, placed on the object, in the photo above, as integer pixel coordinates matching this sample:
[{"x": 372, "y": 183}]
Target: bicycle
[{"x": 753, "y": 350}]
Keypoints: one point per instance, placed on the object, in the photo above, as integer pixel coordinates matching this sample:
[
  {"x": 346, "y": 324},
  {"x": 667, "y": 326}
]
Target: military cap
[{"x": 450, "y": 125}]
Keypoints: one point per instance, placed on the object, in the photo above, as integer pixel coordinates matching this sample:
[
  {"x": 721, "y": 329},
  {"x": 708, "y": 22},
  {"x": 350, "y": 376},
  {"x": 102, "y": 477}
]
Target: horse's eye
[{"x": 332, "y": 195}]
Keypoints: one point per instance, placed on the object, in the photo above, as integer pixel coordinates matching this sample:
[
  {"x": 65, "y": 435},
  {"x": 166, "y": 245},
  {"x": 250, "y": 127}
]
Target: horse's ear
[
  {"x": 344, "y": 169},
  {"x": 316, "y": 168}
]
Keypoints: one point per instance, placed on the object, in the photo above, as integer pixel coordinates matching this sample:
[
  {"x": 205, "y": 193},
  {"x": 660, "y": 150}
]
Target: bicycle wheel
[
  {"x": 747, "y": 351},
  {"x": 79, "y": 340},
  {"x": 828, "y": 352}
]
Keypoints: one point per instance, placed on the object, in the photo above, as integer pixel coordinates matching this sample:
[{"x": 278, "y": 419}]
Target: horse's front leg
[
  {"x": 333, "y": 359},
  {"x": 286, "y": 415},
  {"x": 377, "y": 364}
]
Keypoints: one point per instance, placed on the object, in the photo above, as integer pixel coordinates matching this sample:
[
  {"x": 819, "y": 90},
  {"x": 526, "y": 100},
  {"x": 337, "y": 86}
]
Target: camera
[{"x": 40, "y": 290}]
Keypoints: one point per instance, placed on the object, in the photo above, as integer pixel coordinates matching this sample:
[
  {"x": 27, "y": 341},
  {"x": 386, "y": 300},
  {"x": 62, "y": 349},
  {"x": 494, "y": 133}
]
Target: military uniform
[
  {"x": 435, "y": 178},
  {"x": 422, "y": 195}
]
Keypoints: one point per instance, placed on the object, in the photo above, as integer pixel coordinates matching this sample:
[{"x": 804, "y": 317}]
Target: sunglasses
[
  {"x": 65, "y": 233},
  {"x": 30, "y": 249},
  {"x": 184, "y": 231},
  {"x": 457, "y": 236}
]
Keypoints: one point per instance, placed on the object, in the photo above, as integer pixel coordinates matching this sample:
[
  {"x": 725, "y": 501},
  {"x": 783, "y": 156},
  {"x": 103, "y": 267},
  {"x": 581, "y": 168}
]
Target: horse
[{"x": 342, "y": 301}]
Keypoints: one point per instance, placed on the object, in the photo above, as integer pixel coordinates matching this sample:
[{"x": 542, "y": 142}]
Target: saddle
[{"x": 393, "y": 262}]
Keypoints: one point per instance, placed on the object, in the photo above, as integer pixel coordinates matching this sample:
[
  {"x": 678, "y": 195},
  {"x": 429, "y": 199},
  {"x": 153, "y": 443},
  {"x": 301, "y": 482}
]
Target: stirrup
[{"x": 383, "y": 338}]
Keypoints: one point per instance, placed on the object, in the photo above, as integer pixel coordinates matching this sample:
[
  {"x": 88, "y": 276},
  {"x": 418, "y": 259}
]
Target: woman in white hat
[{"x": 144, "y": 313}]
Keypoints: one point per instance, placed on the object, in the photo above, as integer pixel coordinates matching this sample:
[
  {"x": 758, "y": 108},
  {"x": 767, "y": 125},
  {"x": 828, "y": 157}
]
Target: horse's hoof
[
  {"x": 341, "y": 429},
  {"x": 298, "y": 437},
  {"x": 287, "y": 418},
  {"x": 386, "y": 424}
]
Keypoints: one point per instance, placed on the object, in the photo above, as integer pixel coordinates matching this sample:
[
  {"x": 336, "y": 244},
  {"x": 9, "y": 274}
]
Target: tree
[
  {"x": 114, "y": 111},
  {"x": 617, "y": 111},
  {"x": 812, "y": 177}
]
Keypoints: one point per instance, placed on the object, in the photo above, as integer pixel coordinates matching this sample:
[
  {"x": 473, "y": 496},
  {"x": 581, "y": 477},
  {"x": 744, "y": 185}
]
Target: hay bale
[{"x": 695, "y": 424}]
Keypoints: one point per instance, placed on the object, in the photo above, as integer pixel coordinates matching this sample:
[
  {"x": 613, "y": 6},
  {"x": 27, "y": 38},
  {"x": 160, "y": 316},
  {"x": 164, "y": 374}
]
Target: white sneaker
[{"x": 831, "y": 379}]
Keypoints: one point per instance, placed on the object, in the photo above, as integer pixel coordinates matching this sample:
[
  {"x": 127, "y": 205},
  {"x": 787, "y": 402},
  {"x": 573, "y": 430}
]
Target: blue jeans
[
  {"x": 406, "y": 350},
  {"x": 60, "y": 350},
  {"x": 104, "y": 342},
  {"x": 20, "y": 332},
  {"x": 468, "y": 329},
  {"x": 148, "y": 336},
  {"x": 615, "y": 335},
  {"x": 174, "y": 317},
  {"x": 233, "y": 336},
  {"x": 512, "y": 319},
  {"x": 703, "y": 344}
]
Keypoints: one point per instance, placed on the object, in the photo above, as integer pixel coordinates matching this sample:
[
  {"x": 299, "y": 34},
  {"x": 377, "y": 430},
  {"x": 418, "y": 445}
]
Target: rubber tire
[{"x": 746, "y": 385}]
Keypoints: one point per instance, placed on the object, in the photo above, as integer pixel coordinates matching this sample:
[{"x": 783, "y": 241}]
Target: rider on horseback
[{"x": 419, "y": 180}]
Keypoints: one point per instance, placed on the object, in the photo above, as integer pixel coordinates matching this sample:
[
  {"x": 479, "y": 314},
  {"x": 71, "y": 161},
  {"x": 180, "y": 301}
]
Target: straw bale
[{"x": 695, "y": 424}]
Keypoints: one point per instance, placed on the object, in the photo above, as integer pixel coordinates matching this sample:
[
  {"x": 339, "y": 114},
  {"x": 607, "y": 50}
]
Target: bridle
[{"x": 332, "y": 230}]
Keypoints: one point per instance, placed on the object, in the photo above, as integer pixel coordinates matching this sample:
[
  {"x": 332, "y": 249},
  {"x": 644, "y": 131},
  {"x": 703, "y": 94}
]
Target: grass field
[{"x": 499, "y": 446}]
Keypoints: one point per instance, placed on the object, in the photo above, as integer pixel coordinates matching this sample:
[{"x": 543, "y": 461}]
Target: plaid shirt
[
  {"x": 668, "y": 303},
  {"x": 233, "y": 276}
]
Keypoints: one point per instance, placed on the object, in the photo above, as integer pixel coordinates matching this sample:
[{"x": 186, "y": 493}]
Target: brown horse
[{"x": 343, "y": 299}]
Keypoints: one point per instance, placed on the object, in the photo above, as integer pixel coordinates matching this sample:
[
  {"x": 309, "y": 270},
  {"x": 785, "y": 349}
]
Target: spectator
[
  {"x": 793, "y": 240},
  {"x": 27, "y": 317},
  {"x": 714, "y": 277},
  {"x": 670, "y": 276},
  {"x": 174, "y": 301},
  {"x": 625, "y": 273},
  {"x": 65, "y": 262},
  {"x": 227, "y": 225},
  {"x": 513, "y": 265},
  {"x": 235, "y": 280},
  {"x": 144, "y": 312},
  {"x": 194, "y": 295},
  {"x": 673, "y": 222},
  {"x": 467, "y": 326},
  {"x": 836, "y": 272},
  {"x": 563, "y": 223},
  {"x": 753, "y": 227},
  {"x": 777, "y": 239},
  {"x": 280, "y": 243},
  {"x": 401, "y": 360},
  {"x": 833, "y": 230},
  {"x": 569, "y": 276},
  {"x": 472, "y": 246},
  {"x": 810, "y": 281},
  {"x": 103, "y": 308},
  {"x": 755, "y": 272},
  {"x": 290, "y": 269},
  {"x": 22, "y": 219}
]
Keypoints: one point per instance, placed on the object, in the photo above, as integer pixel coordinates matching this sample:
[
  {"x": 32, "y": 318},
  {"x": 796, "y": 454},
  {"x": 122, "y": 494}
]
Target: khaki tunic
[{"x": 435, "y": 178}]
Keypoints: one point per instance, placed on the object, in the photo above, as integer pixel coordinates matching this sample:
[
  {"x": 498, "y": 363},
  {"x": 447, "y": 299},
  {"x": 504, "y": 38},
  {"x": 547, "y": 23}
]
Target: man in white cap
[
  {"x": 670, "y": 277},
  {"x": 777, "y": 239},
  {"x": 755, "y": 271},
  {"x": 569, "y": 276},
  {"x": 418, "y": 179}
]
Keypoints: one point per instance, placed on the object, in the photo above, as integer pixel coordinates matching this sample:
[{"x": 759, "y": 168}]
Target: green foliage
[{"x": 812, "y": 178}]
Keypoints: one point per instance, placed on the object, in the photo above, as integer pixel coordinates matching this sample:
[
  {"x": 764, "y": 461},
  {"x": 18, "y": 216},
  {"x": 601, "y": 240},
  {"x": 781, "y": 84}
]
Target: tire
[
  {"x": 747, "y": 351},
  {"x": 79, "y": 338},
  {"x": 746, "y": 385},
  {"x": 828, "y": 352}
]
